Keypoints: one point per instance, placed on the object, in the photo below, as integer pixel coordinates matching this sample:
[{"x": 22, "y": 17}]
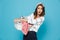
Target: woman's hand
[
  {"x": 23, "y": 20},
  {"x": 17, "y": 20}
]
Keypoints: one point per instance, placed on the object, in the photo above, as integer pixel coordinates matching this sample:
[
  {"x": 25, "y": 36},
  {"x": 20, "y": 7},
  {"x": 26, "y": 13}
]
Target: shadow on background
[{"x": 42, "y": 31}]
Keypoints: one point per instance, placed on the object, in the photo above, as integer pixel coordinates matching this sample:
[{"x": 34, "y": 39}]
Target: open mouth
[{"x": 38, "y": 12}]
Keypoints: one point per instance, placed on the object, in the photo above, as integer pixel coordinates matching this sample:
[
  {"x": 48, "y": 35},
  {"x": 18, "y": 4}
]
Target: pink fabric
[{"x": 25, "y": 27}]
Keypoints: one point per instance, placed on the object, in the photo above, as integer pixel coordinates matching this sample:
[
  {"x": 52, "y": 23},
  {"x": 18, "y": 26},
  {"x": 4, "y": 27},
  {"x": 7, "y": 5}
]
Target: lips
[{"x": 39, "y": 12}]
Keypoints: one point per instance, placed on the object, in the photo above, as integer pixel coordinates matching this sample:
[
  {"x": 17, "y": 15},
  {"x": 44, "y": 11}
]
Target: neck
[{"x": 38, "y": 15}]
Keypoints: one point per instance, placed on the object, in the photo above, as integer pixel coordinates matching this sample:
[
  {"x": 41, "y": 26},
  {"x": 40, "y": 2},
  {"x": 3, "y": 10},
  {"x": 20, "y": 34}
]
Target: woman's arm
[
  {"x": 38, "y": 24},
  {"x": 17, "y": 20}
]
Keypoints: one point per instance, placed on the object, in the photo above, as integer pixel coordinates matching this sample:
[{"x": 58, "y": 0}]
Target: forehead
[{"x": 40, "y": 7}]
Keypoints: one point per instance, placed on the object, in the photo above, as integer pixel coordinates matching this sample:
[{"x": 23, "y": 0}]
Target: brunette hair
[{"x": 35, "y": 12}]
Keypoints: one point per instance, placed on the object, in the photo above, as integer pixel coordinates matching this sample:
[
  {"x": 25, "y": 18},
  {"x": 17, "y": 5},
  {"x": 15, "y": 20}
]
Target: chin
[{"x": 38, "y": 14}]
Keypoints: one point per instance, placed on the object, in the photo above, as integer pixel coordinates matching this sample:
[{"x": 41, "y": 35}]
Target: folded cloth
[
  {"x": 18, "y": 26},
  {"x": 22, "y": 26},
  {"x": 25, "y": 27}
]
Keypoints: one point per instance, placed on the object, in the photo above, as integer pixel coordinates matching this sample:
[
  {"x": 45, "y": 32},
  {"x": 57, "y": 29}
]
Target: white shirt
[{"x": 37, "y": 23}]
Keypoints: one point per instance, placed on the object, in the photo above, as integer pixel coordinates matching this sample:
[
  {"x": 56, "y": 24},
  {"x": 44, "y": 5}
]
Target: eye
[
  {"x": 38, "y": 8},
  {"x": 41, "y": 8}
]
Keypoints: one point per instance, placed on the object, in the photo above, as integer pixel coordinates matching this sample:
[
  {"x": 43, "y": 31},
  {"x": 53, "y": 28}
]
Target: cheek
[
  {"x": 41, "y": 10},
  {"x": 38, "y": 10}
]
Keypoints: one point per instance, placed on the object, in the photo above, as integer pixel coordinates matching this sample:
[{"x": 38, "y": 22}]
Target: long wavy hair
[{"x": 35, "y": 12}]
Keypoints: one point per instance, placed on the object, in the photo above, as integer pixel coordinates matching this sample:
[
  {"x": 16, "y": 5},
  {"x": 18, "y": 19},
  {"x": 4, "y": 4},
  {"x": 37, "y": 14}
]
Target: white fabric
[
  {"x": 18, "y": 26},
  {"x": 37, "y": 22}
]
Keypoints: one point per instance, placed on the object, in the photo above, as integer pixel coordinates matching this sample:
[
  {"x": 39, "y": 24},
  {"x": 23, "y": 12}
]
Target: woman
[{"x": 35, "y": 20}]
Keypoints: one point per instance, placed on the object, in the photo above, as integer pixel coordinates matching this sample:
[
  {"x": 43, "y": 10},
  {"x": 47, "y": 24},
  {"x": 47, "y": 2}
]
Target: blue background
[{"x": 11, "y": 9}]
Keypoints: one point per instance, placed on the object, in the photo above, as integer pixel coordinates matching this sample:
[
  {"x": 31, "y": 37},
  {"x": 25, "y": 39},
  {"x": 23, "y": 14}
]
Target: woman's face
[{"x": 39, "y": 10}]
